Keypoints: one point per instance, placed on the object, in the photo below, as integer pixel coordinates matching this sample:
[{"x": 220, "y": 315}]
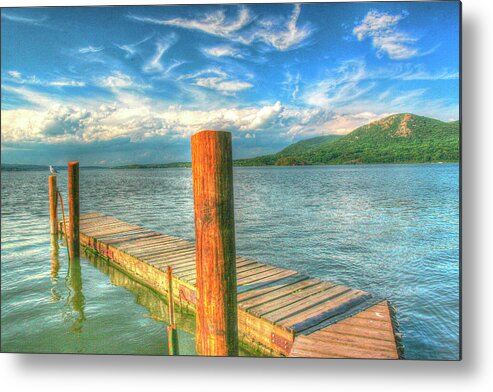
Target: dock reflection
[{"x": 156, "y": 305}]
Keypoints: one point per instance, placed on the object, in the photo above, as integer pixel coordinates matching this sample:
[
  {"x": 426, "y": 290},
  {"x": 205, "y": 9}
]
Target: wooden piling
[
  {"x": 172, "y": 332},
  {"x": 52, "y": 192},
  {"x": 212, "y": 171},
  {"x": 73, "y": 206}
]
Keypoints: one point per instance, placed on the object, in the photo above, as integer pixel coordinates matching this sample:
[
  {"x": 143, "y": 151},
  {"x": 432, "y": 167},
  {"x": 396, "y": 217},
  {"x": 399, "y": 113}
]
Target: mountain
[
  {"x": 400, "y": 138},
  {"x": 291, "y": 155}
]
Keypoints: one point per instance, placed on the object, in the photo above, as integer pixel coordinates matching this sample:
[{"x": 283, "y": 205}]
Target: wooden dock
[{"x": 280, "y": 312}]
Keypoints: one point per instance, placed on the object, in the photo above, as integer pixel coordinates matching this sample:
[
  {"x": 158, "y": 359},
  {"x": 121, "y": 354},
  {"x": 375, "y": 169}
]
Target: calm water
[{"x": 392, "y": 230}]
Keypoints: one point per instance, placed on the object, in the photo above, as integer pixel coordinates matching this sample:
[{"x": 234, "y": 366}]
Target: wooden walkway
[{"x": 281, "y": 312}]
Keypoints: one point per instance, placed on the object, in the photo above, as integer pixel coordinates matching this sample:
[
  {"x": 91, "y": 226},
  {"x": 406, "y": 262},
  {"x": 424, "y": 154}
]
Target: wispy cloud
[
  {"x": 91, "y": 49},
  {"x": 219, "y": 84},
  {"x": 421, "y": 74},
  {"x": 162, "y": 45},
  {"x": 344, "y": 84},
  {"x": 23, "y": 19},
  {"x": 131, "y": 49},
  {"x": 282, "y": 34},
  {"x": 292, "y": 84},
  {"x": 214, "y": 23},
  {"x": 279, "y": 32},
  {"x": 118, "y": 80},
  {"x": 217, "y": 79},
  {"x": 223, "y": 51},
  {"x": 17, "y": 77},
  {"x": 381, "y": 28},
  {"x": 209, "y": 71}
]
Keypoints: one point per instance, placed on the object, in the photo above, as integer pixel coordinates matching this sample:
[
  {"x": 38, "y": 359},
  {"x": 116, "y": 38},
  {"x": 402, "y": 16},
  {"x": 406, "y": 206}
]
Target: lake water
[{"x": 392, "y": 230}]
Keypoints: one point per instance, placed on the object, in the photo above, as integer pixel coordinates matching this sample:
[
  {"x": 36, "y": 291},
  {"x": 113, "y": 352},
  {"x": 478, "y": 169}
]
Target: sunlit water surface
[{"x": 392, "y": 230}]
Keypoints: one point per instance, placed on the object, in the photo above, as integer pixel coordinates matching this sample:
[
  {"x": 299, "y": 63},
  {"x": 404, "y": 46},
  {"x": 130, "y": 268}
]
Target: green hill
[
  {"x": 291, "y": 155},
  {"x": 400, "y": 138}
]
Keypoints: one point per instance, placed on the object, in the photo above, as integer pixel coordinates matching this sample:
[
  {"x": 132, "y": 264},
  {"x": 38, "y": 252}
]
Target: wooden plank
[
  {"x": 312, "y": 348},
  {"x": 261, "y": 296},
  {"x": 156, "y": 252},
  {"x": 269, "y": 273},
  {"x": 90, "y": 215},
  {"x": 146, "y": 242},
  {"x": 326, "y": 306},
  {"x": 297, "y": 302},
  {"x": 172, "y": 255},
  {"x": 125, "y": 239},
  {"x": 254, "y": 271}
]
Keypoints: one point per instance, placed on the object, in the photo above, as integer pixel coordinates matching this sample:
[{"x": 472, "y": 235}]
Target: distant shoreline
[{"x": 20, "y": 168}]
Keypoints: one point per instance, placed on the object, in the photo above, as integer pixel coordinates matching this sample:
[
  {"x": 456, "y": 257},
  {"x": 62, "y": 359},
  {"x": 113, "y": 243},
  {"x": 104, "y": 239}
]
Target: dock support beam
[
  {"x": 73, "y": 207},
  {"x": 217, "y": 314},
  {"x": 52, "y": 192},
  {"x": 172, "y": 332}
]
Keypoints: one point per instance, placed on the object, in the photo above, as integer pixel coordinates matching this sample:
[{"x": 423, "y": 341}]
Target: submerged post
[
  {"x": 73, "y": 207},
  {"x": 52, "y": 192},
  {"x": 212, "y": 171},
  {"x": 172, "y": 332}
]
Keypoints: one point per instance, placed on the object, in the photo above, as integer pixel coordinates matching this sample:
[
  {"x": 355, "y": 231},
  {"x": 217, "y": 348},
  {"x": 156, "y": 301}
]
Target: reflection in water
[
  {"x": 75, "y": 298},
  {"x": 148, "y": 298},
  {"x": 55, "y": 268},
  {"x": 157, "y": 306}
]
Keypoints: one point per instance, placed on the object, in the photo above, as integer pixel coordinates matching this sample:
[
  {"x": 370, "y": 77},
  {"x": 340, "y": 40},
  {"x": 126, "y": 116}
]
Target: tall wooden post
[
  {"x": 52, "y": 192},
  {"x": 73, "y": 207},
  {"x": 217, "y": 314}
]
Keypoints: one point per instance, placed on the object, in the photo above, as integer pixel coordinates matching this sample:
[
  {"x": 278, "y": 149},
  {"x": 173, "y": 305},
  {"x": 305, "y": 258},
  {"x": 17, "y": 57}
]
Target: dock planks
[{"x": 280, "y": 311}]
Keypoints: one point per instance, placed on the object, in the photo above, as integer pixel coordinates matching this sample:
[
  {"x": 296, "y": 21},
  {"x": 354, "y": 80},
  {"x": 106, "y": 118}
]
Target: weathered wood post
[
  {"x": 52, "y": 192},
  {"x": 55, "y": 261},
  {"x": 73, "y": 207},
  {"x": 217, "y": 314},
  {"x": 172, "y": 332}
]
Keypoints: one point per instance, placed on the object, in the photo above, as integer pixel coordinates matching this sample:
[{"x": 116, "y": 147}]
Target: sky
[{"x": 117, "y": 85}]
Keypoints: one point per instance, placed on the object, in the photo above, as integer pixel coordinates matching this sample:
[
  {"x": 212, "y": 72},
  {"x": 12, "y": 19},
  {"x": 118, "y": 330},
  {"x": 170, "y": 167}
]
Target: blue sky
[{"x": 116, "y": 85}]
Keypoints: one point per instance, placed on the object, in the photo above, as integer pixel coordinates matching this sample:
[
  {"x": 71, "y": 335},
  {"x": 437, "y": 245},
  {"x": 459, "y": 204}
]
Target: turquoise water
[{"x": 392, "y": 230}]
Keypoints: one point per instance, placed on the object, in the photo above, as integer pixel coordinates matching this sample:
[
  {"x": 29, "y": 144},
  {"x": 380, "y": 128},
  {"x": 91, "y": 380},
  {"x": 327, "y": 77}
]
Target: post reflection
[
  {"x": 76, "y": 298},
  {"x": 55, "y": 268}
]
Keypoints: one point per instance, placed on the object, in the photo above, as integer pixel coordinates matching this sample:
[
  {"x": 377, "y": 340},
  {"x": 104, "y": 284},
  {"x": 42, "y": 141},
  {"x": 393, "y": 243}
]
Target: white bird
[{"x": 53, "y": 170}]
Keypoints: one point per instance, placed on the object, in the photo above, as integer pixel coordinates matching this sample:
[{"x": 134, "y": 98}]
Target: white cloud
[
  {"x": 344, "y": 85},
  {"x": 162, "y": 45},
  {"x": 208, "y": 71},
  {"x": 137, "y": 119},
  {"x": 292, "y": 84},
  {"x": 217, "y": 79},
  {"x": 279, "y": 32},
  {"x": 381, "y": 29},
  {"x": 23, "y": 19},
  {"x": 223, "y": 51},
  {"x": 118, "y": 80},
  {"x": 214, "y": 23},
  {"x": 220, "y": 84},
  {"x": 15, "y": 74},
  {"x": 131, "y": 49},
  {"x": 91, "y": 49},
  {"x": 17, "y": 77},
  {"x": 321, "y": 121},
  {"x": 419, "y": 73}
]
